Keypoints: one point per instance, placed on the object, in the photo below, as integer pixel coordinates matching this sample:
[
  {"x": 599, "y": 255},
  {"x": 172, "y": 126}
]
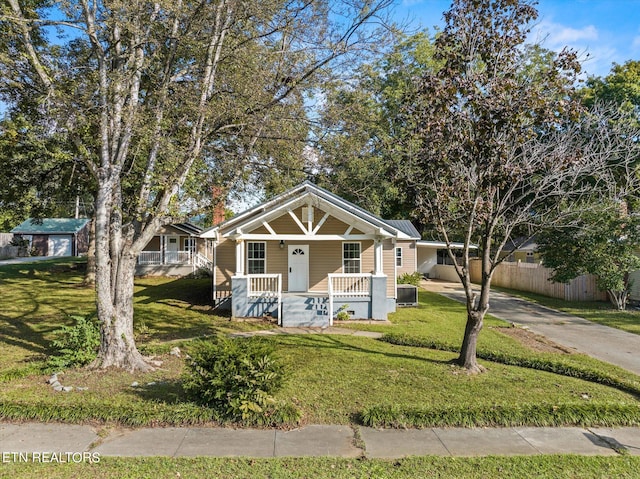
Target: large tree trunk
[
  {"x": 115, "y": 270},
  {"x": 117, "y": 343},
  {"x": 468, "y": 358}
]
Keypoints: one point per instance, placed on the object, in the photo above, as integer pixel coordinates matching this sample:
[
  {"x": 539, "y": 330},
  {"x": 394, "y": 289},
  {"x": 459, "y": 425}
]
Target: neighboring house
[
  {"x": 55, "y": 236},
  {"x": 522, "y": 250},
  {"x": 176, "y": 250},
  {"x": 307, "y": 254},
  {"x": 434, "y": 261}
]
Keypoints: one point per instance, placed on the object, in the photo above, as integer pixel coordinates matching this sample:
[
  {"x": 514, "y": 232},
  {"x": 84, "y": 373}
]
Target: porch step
[{"x": 310, "y": 311}]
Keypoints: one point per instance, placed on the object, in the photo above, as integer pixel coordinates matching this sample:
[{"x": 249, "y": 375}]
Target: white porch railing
[
  {"x": 266, "y": 286},
  {"x": 347, "y": 285},
  {"x": 201, "y": 261},
  {"x": 150, "y": 257},
  {"x": 170, "y": 257}
]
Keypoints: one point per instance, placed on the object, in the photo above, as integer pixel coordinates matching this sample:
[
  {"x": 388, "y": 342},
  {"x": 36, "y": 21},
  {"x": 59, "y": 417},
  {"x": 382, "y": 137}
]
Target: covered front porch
[{"x": 349, "y": 296}]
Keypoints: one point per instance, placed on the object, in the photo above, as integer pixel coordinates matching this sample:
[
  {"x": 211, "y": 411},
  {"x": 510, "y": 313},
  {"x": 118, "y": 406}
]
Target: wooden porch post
[
  {"x": 378, "y": 257},
  {"x": 239, "y": 257}
]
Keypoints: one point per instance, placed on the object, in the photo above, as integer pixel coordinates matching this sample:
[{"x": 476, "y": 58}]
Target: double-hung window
[
  {"x": 190, "y": 245},
  {"x": 399, "y": 257},
  {"x": 256, "y": 257},
  {"x": 351, "y": 258}
]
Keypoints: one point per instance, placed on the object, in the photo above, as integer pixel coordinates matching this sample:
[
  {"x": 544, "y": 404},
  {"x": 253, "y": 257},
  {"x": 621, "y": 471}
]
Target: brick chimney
[{"x": 219, "y": 202}]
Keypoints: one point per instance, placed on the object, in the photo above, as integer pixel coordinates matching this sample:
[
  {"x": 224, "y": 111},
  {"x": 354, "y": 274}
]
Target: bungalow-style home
[
  {"x": 55, "y": 236},
  {"x": 306, "y": 255},
  {"x": 175, "y": 250}
]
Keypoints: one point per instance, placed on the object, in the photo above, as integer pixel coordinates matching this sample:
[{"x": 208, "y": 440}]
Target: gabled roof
[
  {"x": 188, "y": 228},
  {"x": 297, "y": 194},
  {"x": 51, "y": 226},
  {"x": 405, "y": 226},
  {"x": 521, "y": 243}
]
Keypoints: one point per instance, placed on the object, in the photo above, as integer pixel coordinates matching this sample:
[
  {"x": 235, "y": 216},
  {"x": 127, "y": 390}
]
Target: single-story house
[
  {"x": 55, "y": 236},
  {"x": 176, "y": 250},
  {"x": 308, "y": 254},
  {"x": 434, "y": 261}
]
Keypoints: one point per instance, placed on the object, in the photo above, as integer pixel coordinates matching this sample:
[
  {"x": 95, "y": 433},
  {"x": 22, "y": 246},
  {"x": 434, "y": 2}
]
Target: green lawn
[
  {"x": 332, "y": 378},
  {"x": 600, "y": 312},
  {"x": 549, "y": 467}
]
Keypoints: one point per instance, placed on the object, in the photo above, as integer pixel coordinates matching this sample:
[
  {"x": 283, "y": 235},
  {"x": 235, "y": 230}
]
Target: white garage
[
  {"x": 55, "y": 236},
  {"x": 60, "y": 245}
]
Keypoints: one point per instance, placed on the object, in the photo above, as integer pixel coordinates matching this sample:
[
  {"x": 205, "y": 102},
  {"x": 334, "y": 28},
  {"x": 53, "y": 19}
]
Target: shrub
[
  {"x": 76, "y": 345},
  {"x": 237, "y": 377},
  {"x": 343, "y": 314},
  {"x": 410, "y": 278}
]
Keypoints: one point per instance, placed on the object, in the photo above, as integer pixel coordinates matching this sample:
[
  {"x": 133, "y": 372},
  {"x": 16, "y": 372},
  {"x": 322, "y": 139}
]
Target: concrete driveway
[
  {"x": 601, "y": 342},
  {"x": 28, "y": 259}
]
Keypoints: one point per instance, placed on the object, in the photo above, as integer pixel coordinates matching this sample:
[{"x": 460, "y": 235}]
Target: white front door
[
  {"x": 172, "y": 246},
  {"x": 298, "y": 267}
]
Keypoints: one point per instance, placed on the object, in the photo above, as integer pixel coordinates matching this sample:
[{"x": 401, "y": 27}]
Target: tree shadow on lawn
[
  {"x": 183, "y": 293},
  {"x": 168, "y": 391},
  {"x": 24, "y": 330},
  {"x": 335, "y": 342}
]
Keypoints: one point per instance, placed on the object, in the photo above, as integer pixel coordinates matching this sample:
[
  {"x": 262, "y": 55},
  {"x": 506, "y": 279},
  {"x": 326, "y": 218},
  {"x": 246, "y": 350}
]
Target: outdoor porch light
[{"x": 281, "y": 244}]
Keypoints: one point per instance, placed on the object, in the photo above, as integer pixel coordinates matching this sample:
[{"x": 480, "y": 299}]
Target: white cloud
[
  {"x": 595, "y": 50},
  {"x": 636, "y": 42},
  {"x": 556, "y": 36}
]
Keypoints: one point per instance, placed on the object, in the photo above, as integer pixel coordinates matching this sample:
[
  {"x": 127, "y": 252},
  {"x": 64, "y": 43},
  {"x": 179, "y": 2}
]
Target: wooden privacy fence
[
  {"x": 6, "y": 250},
  {"x": 534, "y": 278}
]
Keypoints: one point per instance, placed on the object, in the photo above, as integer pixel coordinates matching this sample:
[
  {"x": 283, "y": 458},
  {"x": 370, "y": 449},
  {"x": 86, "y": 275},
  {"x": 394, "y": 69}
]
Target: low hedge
[
  {"x": 531, "y": 362},
  {"x": 577, "y": 414}
]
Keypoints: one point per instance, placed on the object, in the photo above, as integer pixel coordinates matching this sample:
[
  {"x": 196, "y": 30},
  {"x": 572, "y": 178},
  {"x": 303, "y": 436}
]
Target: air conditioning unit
[{"x": 407, "y": 295}]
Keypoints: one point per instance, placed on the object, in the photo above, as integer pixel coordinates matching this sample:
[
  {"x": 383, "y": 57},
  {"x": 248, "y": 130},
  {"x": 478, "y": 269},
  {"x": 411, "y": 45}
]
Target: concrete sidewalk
[{"x": 316, "y": 440}]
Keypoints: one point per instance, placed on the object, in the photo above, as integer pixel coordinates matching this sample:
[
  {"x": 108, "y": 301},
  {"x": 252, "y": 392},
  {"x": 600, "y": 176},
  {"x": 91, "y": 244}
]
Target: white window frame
[
  {"x": 264, "y": 260},
  {"x": 359, "y": 258},
  {"x": 189, "y": 244},
  {"x": 399, "y": 256}
]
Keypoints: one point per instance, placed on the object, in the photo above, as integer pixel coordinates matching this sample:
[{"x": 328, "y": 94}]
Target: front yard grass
[
  {"x": 600, "y": 312},
  {"x": 332, "y": 378},
  {"x": 549, "y": 467}
]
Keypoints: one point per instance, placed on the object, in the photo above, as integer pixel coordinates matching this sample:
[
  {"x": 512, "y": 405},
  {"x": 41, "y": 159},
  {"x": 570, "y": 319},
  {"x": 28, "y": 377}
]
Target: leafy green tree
[
  {"x": 357, "y": 149},
  {"x": 621, "y": 88},
  {"x": 603, "y": 242},
  {"x": 144, "y": 90},
  {"x": 495, "y": 146}
]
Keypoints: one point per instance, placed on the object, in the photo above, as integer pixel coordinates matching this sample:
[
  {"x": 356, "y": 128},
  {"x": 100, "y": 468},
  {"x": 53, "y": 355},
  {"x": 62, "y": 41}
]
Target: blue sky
[{"x": 602, "y": 31}]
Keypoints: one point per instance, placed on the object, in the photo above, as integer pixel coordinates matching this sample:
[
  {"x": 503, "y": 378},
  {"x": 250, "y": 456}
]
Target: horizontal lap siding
[
  {"x": 324, "y": 257},
  {"x": 389, "y": 266},
  {"x": 225, "y": 267},
  {"x": 153, "y": 245},
  {"x": 408, "y": 257},
  {"x": 285, "y": 225},
  {"x": 277, "y": 262}
]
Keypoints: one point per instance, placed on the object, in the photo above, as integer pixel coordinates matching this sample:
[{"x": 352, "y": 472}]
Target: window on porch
[
  {"x": 399, "y": 257},
  {"x": 256, "y": 257},
  {"x": 351, "y": 258}
]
